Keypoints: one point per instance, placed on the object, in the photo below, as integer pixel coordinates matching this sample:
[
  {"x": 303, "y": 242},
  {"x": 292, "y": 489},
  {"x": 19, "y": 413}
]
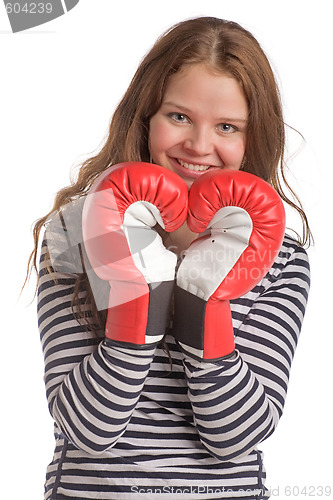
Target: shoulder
[
  {"x": 291, "y": 254},
  {"x": 67, "y": 219},
  {"x": 290, "y": 246},
  {"x": 290, "y": 270},
  {"x": 63, "y": 238}
]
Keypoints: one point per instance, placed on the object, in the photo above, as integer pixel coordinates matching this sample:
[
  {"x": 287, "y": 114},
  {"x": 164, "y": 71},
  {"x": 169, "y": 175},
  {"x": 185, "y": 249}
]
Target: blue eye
[
  {"x": 227, "y": 128},
  {"x": 178, "y": 117}
]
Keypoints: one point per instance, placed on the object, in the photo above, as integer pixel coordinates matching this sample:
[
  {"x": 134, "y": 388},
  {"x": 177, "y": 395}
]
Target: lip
[{"x": 185, "y": 172}]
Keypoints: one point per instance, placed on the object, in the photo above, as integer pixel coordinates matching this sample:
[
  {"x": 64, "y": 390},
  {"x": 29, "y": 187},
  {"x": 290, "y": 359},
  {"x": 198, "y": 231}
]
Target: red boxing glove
[
  {"x": 120, "y": 210},
  {"x": 242, "y": 221}
]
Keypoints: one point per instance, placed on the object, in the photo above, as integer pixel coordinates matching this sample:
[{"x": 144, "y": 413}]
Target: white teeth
[{"x": 190, "y": 166}]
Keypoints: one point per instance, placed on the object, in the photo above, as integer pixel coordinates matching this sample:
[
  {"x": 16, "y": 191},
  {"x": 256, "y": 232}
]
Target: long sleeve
[
  {"x": 237, "y": 403},
  {"x": 128, "y": 421},
  {"x": 92, "y": 384}
]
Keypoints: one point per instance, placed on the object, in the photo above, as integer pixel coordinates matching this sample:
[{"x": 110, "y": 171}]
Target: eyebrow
[{"x": 187, "y": 110}]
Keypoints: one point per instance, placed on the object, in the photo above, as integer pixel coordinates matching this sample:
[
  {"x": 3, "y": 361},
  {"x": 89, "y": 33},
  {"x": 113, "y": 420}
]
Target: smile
[{"x": 195, "y": 168}]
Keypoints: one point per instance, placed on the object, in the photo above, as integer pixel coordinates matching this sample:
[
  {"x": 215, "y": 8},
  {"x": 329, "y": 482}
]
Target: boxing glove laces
[
  {"x": 240, "y": 219},
  {"x": 119, "y": 214}
]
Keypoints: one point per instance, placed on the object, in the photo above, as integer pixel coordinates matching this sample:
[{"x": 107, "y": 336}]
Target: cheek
[
  {"x": 232, "y": 151},
  {"x": 156, "y": 135},
  {"x": 161, "y": 135}
]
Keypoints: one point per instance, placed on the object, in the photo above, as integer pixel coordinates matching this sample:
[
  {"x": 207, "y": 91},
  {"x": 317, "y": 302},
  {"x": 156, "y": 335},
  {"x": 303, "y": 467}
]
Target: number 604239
[{"x": 29, "y": 8}]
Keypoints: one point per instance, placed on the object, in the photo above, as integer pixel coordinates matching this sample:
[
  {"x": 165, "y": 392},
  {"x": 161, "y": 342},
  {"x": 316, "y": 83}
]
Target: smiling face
[{"x": 200, "y": 125}]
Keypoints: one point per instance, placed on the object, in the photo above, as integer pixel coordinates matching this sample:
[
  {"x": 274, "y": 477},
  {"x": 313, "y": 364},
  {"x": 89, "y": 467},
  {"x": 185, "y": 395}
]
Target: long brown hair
[{"x": 226, "y": 47}]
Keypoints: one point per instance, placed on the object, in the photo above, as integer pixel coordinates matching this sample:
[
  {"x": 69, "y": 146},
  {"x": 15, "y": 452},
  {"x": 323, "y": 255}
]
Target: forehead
[{"x": 197, "y": 87}]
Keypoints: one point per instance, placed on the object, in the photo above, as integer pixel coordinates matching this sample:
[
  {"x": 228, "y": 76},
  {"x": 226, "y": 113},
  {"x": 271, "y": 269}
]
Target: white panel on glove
[
  {"x": 142, "y": 213},
  {"x": 211, "y": 257},
  {"x": 153, "y": 260}
]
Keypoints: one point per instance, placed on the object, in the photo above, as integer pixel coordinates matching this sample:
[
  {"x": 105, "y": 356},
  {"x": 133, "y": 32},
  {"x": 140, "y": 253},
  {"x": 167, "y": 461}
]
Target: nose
[{"x": 199, "y": 141}]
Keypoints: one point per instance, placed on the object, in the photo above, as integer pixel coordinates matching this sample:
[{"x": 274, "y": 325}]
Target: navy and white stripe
[{"x": 127, "y": 425}]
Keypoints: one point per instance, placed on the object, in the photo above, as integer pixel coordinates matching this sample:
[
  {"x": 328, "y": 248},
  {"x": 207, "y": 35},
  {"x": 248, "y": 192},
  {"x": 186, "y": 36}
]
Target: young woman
[{"x": 141, "y": 423}]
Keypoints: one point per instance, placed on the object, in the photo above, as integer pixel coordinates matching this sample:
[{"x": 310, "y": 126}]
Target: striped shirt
[{"x": 130, "y": 425}]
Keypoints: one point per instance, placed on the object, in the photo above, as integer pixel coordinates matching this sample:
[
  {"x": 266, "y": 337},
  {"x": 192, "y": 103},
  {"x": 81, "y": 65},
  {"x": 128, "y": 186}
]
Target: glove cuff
[
  {"x": 143, "y": 320},
  {"x": 203, "y": 329}
]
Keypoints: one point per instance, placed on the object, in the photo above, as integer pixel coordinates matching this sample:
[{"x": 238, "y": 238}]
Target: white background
[{"x": 59, "y": 85}]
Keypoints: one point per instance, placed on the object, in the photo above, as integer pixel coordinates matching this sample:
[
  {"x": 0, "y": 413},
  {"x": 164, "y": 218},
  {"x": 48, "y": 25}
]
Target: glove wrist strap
[
  {"x": 142, "y": 320},
  {"x": 204, "y": 329}
]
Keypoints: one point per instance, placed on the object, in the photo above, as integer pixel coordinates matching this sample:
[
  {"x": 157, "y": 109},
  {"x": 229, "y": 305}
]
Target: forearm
[
  {"x": 232, "y": 411},
  {"x": 92, "y": 385},
  {"x": 95, "y": 401},
  {"x": 237, "y": 402}
]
